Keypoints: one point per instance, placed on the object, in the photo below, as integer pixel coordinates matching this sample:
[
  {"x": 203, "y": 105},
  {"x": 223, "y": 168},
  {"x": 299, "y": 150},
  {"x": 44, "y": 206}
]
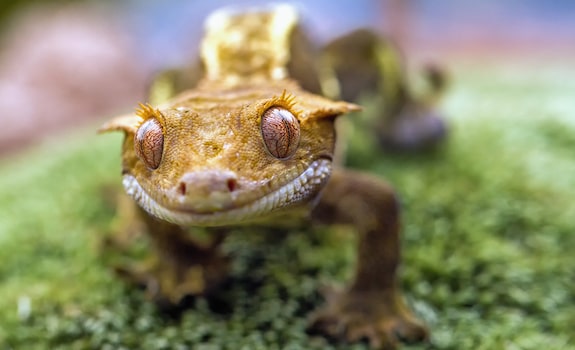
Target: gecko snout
[
  {"x": 206, "y": 183},
  {"x": 207, "y": 191}
]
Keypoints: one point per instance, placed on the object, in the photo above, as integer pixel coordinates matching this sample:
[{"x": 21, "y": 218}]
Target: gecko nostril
[
  {"x": 232, "y": 185},
  {"x": 182, "y": 188}
]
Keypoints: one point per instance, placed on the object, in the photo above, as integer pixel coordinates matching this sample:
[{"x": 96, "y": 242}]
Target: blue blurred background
[{"x": 169, "y": 30}]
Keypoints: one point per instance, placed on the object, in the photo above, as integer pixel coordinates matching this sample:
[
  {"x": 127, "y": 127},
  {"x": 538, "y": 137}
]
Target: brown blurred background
[{"x": 68, "y": 63}]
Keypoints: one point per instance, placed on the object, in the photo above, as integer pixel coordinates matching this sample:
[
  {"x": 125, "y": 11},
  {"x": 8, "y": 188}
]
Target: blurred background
[
  {"x": 488, "y": 219},
  {"x": 63, "y": 63}
]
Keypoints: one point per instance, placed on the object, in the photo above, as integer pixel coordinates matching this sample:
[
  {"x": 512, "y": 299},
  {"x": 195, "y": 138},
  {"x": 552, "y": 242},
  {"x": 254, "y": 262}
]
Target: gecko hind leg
[{"x": 365, "y": 63}]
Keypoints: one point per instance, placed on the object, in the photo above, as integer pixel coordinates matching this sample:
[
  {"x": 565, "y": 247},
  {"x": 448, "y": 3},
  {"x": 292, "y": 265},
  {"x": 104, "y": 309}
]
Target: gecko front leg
[
  {"x": 177, "y": 266},
  {"x": 371, "y": 308}
]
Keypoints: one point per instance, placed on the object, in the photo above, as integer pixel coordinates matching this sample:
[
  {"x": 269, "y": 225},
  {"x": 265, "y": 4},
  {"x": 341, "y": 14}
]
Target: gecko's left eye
[
  {"x": 280, "y": 131},
  {"x": 149, "y": 143}
]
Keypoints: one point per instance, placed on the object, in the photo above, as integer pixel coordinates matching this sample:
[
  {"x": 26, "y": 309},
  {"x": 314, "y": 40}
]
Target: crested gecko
[{"x": 249, "y": 146}]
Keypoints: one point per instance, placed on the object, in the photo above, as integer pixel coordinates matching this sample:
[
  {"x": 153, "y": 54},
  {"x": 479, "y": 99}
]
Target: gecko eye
[
  {"x": 149, "y": 143},
  {"x": 280, "y": 131}
]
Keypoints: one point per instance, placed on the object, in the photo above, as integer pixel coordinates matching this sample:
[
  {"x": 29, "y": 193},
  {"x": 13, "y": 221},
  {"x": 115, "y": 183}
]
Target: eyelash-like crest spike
[
  {"x": 288, "y": 99},
  {"x": 285, "y": 100},
  {"x": 146, "y": 111}
]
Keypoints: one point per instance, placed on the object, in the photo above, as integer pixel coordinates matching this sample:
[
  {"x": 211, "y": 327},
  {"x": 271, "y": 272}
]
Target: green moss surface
[{"x": 488, "y": 238}]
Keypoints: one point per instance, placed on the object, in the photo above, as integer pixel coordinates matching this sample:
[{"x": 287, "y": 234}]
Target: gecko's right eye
[
  {"x": 149, "y": 143},
  {"x": 280, "y": 131}
]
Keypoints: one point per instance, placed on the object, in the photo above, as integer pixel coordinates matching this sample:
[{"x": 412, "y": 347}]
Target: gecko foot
[
  {"x": 380, "y": 318},
  {"x": 178, "y": 271}
]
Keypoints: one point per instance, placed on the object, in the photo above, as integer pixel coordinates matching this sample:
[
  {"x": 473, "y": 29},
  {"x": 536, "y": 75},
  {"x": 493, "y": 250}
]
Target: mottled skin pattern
[{"x": 215, "y": 171}]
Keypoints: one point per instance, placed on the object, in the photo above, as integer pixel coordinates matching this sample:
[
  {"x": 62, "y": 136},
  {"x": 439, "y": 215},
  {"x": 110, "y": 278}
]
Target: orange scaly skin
[{"x": 249, "y": 146}]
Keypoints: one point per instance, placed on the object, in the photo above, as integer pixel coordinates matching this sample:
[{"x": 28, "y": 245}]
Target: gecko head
[{"x": 231, "y": 157}]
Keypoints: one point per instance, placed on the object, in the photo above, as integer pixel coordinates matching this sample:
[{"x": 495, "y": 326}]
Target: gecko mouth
[{"x": 297, "y": 191}]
